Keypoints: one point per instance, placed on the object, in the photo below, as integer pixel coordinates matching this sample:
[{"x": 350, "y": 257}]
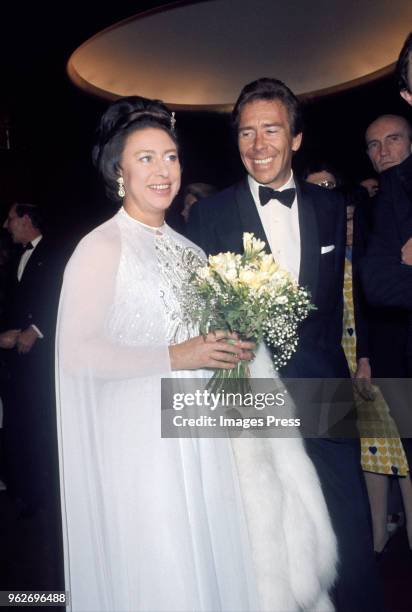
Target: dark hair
[
  {"x": 402, "y": 66},
  {"x": 322, "y": 166},
  {"x": 199, "y": 190},
  {"x": 270, "y": 89},
  {"x": 121, "y": 119},
  {"x": 358, "y": 196},
  {"x": 370, "y": 175},
  {"x": 33, "y": 212}
]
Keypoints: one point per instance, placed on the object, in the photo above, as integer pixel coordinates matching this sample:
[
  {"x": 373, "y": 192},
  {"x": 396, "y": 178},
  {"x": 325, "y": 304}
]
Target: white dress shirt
[
  {"x": 22, "y": 264},
  {"x": 281, "y": 225},
  {"x": 26, "y": 256}
]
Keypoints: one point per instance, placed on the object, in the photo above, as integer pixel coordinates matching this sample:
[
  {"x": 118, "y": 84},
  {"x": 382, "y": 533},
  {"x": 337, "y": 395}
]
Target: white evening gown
[{"x": 156, "y": 524}]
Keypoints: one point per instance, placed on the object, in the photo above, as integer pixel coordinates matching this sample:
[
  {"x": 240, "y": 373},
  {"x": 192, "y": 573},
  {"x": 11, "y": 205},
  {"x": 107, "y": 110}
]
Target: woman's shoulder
[{"x": 103, "y": 239}]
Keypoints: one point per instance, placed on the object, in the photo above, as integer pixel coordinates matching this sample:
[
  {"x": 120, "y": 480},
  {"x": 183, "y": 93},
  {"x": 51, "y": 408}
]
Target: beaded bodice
[{"x": 153, "y": 275}]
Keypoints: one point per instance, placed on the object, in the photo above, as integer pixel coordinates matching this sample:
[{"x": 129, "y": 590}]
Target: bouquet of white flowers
[{"x": 252, "y": 295}]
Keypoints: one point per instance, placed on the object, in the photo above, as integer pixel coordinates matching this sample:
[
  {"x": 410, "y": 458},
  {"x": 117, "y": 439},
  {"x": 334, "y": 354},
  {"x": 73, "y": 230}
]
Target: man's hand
[
  {"x": 8, "y": 338},
  {"x": 407, "y": 252},
  {"x": 362, "y": 379},
  {"x": 26, "y": 340}
]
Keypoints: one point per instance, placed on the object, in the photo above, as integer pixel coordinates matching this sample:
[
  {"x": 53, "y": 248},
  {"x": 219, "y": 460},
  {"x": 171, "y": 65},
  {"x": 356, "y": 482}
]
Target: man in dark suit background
[
  {"x": 29, "y": 408},
  {"x": 305, "y": 228},
  {"x": 387, "y": 268},
  {"x": 381, "y": 332}
]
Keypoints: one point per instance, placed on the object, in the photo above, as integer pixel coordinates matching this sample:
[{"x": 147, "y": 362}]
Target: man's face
[
  {"x": 16, "y": 226},
  {"x": 266, "y": 143},
  {"x": 388, "y": 142}
]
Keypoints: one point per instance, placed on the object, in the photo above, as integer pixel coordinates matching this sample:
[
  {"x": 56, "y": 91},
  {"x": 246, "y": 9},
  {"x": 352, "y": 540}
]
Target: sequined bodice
[
  {"x": 154, "y": 271},
  {"x": 176, "y": 265}
]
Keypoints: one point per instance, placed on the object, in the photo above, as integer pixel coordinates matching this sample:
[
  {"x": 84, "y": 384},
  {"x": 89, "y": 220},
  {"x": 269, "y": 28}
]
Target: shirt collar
[
  {"x": 254, "y": 185},
  {"x": 36, "y": 241}
]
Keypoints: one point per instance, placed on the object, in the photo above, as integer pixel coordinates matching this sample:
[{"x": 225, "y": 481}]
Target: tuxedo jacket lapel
[
  {"x": 35, "y": 260},
  {"x": 249, "y": 216},
  {"x": 308, "y": 227},
  {"x": 309, "y": 242}
]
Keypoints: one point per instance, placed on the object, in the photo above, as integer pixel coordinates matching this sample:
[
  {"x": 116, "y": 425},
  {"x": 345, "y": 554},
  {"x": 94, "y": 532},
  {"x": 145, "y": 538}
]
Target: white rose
[
  {"x": 247, "y": 276},
  {"x": 267, "y": 263},
  {"x": 216, "y": 261},
  {"x": 230, "y": 274},
  {"x": 204, "y": 273}
]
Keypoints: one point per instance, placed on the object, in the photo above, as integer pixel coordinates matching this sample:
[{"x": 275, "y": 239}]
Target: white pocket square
[{"x": 327, "y": 249}]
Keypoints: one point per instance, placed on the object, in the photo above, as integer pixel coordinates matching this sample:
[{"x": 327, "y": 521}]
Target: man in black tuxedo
[
  {"x": 29, "y": 413},
  {"x": 305, "y": 227}
]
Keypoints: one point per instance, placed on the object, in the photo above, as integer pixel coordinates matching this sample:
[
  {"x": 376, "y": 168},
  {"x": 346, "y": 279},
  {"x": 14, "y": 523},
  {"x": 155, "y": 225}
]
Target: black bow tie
[
  {"x": 285, "y": 197},
  {"x": 28, "y": 247}
]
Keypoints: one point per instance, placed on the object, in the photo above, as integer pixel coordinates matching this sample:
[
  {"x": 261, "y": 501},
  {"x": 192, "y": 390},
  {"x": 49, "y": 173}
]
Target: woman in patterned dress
[{"x": 382, "y": 453}]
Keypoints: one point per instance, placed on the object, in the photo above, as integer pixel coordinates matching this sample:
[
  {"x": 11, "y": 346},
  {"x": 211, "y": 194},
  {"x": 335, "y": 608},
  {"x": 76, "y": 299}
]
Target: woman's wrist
[{"x": 175, "y": 357}]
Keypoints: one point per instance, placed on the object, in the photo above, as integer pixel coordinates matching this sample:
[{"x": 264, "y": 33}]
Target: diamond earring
[{"x": 120, "y": 192}]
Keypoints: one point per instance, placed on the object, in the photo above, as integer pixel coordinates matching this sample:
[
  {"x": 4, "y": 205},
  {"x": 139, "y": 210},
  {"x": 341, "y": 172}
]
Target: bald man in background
[
  {"x": 381, "y": 332},
  {"x": 388, "y": 141}
]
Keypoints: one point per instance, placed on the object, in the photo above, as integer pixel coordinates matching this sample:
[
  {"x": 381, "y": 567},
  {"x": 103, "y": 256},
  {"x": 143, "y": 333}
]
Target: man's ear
[
  {"x": 297, "y": 141},
  {"x": 407, "y": 96}
]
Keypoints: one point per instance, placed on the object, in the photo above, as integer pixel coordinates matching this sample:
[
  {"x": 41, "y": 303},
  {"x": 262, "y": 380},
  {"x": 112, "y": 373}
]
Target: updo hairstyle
[{"x": 121, "y": 119}]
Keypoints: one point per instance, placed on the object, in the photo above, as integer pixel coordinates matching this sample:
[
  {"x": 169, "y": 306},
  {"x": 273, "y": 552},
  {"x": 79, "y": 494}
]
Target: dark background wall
[{"x": 52, "y": 123}]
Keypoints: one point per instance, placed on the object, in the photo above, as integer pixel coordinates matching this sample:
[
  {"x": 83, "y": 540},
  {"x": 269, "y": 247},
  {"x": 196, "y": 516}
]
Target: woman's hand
[
  {"x": 218, "y": 349},
  {"x": 8, "y": 338}
]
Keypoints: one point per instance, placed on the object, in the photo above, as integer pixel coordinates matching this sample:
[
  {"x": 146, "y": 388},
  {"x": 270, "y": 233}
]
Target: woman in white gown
[{"x": 157, "y": 524}]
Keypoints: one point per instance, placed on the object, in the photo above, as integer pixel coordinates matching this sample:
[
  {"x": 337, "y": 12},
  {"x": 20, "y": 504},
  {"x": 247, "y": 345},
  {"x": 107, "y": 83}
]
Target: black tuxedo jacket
[
  {"x": 29, "y": 396},
  {"x": 381, "y": 332},
  {"x": 386, "y": 280},
  {"x": 34, "y": 299},
  {"x": 217, "y": 224}
]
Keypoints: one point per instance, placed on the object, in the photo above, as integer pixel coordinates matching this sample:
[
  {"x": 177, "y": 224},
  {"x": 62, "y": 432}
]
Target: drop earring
[{"x": 120, "y": 192}]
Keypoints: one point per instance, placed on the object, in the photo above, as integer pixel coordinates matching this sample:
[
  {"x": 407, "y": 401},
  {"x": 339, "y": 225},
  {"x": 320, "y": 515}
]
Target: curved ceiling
[{"x": 200, "y": 54}]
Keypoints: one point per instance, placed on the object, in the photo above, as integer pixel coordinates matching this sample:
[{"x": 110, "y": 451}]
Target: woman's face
[{"x": 151, "y": 174}]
